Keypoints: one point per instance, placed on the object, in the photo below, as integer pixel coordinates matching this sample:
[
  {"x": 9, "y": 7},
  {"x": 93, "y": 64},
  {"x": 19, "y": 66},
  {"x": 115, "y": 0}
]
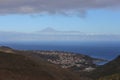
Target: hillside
[
  {"x": 68, "y": 60},
  {"x": 54, "y": 65},
  {"x": 109, "y": 71},
  {"x": 6, "y": 49},
  {"x": 111, "y": 77},
  {"x": 18, "y": 67},
  {"x": 74, "y": 61}
]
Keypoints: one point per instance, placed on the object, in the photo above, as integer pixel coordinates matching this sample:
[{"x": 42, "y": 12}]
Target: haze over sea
[{"x": 99, "y": 49}]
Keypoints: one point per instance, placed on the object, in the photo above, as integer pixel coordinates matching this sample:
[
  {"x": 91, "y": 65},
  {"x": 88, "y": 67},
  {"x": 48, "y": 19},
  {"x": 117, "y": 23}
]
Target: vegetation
[
  {"x": 24, "y": 65},
  {"x": 109, "y": 71},
  {"x": 111, "y": 77},
  {"x": 19, "y": 67}
]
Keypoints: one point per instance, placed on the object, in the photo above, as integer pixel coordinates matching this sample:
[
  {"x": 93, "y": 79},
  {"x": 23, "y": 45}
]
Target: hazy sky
[{"x": 87, "y": 16}]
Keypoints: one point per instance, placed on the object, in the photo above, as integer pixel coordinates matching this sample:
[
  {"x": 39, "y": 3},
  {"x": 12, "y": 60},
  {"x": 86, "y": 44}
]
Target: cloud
[
  {"x": 55, "y": 36},
  {"x": 54, "y": 6}
]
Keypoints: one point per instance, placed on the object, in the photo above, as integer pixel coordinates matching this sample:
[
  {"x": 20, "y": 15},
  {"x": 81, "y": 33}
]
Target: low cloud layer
[
  {"x": 54, "y": 6},
  {"x": 55, "y": 36}
]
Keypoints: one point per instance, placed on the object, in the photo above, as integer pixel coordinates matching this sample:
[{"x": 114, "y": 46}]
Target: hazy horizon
[
  {"x": 34, "y": 20},
  {"x": 50, "y": 34}
]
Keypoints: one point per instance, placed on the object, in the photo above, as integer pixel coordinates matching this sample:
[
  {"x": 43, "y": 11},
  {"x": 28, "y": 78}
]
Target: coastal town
[
  {"x": 68, "y": 60},
  {"x": 75, "y": 61}
]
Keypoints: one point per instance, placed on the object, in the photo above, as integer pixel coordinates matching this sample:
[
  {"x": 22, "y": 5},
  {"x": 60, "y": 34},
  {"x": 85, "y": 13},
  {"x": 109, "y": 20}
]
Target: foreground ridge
[
  {"x": 76, "y": 62},
  {"x": 20, "y": 67},
  {"x": 54, "y": 65}
]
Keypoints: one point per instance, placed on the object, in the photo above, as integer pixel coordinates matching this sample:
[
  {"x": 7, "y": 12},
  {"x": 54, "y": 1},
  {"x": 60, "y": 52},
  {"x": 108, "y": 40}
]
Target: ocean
[{"x": 98, "y": 49}]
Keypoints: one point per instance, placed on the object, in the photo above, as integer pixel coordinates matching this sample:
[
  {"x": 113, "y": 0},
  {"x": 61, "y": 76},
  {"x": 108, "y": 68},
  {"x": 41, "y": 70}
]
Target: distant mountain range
[
  {"x": 55, "y": 35},
  {"x": 36, "y": 65},
  {"x": 48, "y": 29},
  {"x": 52, "y": 30}
]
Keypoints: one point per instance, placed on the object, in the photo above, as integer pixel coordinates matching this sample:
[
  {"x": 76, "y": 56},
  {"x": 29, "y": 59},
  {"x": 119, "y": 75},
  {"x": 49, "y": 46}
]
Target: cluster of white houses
[{"x": 65, "y": 59}]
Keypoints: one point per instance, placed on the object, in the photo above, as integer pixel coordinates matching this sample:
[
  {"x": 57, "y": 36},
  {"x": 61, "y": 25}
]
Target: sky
[{"x": 86, "y": 16}]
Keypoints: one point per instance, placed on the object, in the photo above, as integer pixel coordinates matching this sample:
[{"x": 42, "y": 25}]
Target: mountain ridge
[
  {"x": 32, "y": 65},
  {"x": 112, "y": 68},
  {"x": 77, "y": 62},
  {"x": 19, "y": 67}
]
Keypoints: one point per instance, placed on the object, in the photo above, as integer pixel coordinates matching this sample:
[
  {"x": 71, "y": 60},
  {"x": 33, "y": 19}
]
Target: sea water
[{"x": 99, "y": 49}]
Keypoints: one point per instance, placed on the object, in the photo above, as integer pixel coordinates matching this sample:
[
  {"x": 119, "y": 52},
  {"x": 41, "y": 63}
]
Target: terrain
[
  {"x": 74, "y": 61},
  {"x": 19, "y": 67},
  {"x": 54, "y": 65},
  {"x": 109, "y": 71}
]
